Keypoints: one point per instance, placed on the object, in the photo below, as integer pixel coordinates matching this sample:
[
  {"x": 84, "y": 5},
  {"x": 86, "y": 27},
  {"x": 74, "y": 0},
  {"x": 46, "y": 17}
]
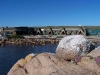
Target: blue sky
[{"x": 49, "y": 12}]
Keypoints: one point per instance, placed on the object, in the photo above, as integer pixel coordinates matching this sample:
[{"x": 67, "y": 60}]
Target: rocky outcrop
[
  {"x": 90, "y": 64},
  {"x": 72, "y": 45},
  {"x": 51, "y": 64},
  {"x": 61, "y": 63}
]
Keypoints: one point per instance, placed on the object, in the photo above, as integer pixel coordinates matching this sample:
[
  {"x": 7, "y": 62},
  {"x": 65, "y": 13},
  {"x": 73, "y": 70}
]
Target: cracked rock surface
[{"x": 51, "y": 64}]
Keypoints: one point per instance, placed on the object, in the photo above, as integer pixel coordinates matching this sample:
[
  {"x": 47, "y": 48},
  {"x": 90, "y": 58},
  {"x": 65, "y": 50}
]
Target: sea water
[{"x": 10, "y": 54}]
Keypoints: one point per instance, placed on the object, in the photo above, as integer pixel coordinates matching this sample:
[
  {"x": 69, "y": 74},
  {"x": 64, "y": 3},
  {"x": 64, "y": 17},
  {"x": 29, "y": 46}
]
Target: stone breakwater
[
  {"x": 35, "y": 41},
  {"x": 70, "y": 59},
  {"x": 41, "y": 41}
]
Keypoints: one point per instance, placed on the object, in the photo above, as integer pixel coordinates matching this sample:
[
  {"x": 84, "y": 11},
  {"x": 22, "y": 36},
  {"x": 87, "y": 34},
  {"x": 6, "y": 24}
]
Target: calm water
[{"x": 10, "y": 54}]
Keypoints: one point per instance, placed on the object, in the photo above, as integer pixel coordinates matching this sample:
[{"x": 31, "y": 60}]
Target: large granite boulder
[
  {"x": 49, "y": 64},
  {"x": 73, "y": 45}
]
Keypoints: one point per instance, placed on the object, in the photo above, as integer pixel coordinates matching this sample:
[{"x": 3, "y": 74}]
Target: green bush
[{"x": 16, "y": 36}]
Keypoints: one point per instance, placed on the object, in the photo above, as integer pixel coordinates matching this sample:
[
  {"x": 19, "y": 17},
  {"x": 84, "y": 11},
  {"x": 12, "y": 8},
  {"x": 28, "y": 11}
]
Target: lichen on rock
[{"x": 29, "y": 57}]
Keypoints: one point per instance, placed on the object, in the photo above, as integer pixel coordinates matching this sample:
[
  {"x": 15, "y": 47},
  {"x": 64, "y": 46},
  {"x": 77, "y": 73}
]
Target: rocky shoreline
[
  {"x": 64, "y": 62},
  {"x": 36, "y": 41},
  {"x": 51, "y": 64},
  {"x": 29, "y": 41}
]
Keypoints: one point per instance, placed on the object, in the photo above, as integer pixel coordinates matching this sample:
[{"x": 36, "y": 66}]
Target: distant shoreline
[{"x": 40, "y": 41}]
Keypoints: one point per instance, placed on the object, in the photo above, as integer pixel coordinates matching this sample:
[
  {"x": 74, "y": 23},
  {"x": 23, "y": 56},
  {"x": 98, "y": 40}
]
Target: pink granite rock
[
  {"x": 90, "y": 64},
  {"x": 51, "y": 64}
]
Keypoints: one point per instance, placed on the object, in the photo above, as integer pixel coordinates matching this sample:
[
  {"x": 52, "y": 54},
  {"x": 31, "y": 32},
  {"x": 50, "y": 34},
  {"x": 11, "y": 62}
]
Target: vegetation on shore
[{"x": 16, "y": 36}]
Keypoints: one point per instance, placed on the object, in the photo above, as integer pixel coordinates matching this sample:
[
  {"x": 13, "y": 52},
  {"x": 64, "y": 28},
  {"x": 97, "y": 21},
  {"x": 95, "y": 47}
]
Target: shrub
[{"x": 16, "y": 36}]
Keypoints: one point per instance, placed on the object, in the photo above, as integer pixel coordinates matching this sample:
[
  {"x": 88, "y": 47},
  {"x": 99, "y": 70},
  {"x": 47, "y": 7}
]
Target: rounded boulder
[{"x": 73, "y": 45}]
